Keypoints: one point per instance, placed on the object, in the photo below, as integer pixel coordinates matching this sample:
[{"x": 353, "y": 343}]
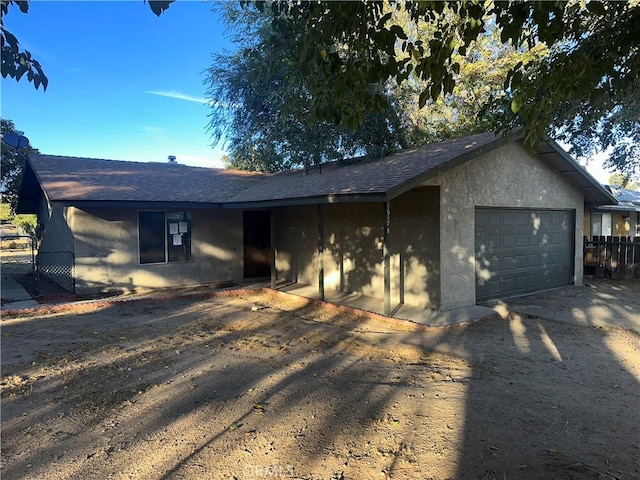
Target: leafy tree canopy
[
  {"x": 622, "y": 181},
  {"x": 585, "y": 92},
  {"x": 12, "y": 166},
  {"x": 262, "y": 105}
]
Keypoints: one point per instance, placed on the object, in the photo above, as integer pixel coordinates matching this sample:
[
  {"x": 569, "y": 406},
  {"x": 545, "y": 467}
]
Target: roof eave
[
  {"x": 139, "y": 204},
  {"x": 373, "y": 197},
  {"x": 594, "y": 193}
]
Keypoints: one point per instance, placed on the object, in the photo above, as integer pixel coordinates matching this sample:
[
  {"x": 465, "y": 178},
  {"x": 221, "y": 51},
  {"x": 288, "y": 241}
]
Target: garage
[{"x": 521, "y": 251}]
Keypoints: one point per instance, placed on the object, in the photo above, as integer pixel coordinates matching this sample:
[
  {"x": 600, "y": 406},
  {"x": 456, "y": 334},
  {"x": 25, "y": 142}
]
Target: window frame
[
  {"x": 166, "y": 236},
  {"x": 601, "y": 215}
]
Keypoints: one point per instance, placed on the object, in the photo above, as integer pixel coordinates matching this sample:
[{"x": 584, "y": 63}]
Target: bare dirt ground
[{"x": 208, "y": 388}]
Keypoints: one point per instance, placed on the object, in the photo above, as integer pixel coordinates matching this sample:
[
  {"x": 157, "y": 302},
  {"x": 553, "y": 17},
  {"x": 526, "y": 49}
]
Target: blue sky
[{"x": 123, "y": 83}]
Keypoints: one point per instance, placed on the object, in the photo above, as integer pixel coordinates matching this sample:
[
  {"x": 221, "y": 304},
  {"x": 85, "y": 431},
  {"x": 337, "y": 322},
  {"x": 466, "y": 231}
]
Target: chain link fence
[
  {"x": 39, "y": 273},
  {"x": 17, "y": 255}
]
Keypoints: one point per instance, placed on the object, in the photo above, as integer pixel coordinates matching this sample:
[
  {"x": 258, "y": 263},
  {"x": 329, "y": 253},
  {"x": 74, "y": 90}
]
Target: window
[
  {"x": 164, "y": 237},
  {"x": 600, "y": 224}
]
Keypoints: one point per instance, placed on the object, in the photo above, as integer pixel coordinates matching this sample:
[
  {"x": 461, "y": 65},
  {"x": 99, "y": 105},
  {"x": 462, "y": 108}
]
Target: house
[
  {"x": 436, "y": 227},
  {"x": 612, "y": 236},
  {"x": 620, "y": 220}
]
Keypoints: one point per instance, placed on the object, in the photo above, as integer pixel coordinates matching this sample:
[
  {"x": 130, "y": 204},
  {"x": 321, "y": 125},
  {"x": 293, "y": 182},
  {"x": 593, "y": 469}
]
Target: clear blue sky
[{"x": 123, "y": 83}]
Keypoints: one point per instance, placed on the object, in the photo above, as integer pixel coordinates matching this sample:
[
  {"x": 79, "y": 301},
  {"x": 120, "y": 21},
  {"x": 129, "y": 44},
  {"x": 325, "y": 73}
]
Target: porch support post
[
  {"x": 321, "y": 251},
  {"x": 387, "y": 258},
  {"x": 272, "y": 241}
]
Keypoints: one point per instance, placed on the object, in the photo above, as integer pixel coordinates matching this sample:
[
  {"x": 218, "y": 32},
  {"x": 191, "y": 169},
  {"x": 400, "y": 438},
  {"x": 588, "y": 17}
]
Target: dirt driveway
[{"x": 256, "y": 386}]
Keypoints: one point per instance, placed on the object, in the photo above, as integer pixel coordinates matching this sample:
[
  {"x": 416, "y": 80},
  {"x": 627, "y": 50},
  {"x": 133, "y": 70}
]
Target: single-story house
[
  {"x": 620, "y": 220},
  {"x": 612, "y": 236},
  {"x": 437, "y": 227}
]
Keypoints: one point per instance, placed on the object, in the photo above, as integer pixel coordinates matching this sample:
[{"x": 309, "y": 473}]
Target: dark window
[
  {"x": 164, "y": 237},
  {"x": 178, "y": 237}
]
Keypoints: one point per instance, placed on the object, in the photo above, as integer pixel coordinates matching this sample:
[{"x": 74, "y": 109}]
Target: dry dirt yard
[{"x": 251, "y": 386}]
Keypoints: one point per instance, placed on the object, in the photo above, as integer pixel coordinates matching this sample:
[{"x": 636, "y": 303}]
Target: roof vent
[{"x": 172, "y": 160}]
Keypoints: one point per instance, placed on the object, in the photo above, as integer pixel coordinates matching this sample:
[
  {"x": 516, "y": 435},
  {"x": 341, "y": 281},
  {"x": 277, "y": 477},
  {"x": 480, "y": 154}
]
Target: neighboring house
[
  {"x": 612, "y": 236},
  {"x": 439, "y": 226},
  {"x": 621, "y": 220}
]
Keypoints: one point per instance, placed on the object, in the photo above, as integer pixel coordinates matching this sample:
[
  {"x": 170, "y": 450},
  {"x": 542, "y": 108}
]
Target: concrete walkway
[
  {"x": 421, "y": 316},
  {"x": 14, "y": 296}
]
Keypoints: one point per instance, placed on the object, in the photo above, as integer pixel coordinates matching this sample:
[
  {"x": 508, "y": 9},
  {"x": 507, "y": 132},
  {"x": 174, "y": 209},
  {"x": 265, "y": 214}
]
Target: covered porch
[{"x": 422, "y": 316}]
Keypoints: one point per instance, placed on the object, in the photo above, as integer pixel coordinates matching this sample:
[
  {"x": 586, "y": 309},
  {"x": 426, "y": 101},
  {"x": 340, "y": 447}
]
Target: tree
[
  {"x": 12, "y": 166},
  {"x": 260, "y": 106},
  {"x": 584, "y": 92},
  {"x": 622, "y": 181},
  {"x": 17, "y": 62}
]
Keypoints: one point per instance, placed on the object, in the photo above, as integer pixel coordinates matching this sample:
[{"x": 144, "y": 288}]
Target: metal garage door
[{"x": 522, "y": 251}]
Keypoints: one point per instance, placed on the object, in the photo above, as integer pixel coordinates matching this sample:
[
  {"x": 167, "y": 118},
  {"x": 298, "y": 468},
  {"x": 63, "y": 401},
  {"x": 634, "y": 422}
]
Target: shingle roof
[
  {"x": 82, "y": 179},
  {"x": 75, "y": 179},
  {"x": 628, "y": 200},
  {"x": 364, "y": 177}
]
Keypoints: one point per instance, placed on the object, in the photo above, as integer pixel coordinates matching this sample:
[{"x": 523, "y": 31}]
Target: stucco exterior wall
[
  {"x": 621, "y": 224},
  {"x": 586, "y": 224},
  {"x": 297, "y": 243},
  {"x": 353, "y": 247},
  {"x": 106, "y": 248},
  {"x": 57, "y": 236},
  {"x": 507, "y": 177},
  {"x": 57, "y": 247},
  {"x": 415, "y": 245}
]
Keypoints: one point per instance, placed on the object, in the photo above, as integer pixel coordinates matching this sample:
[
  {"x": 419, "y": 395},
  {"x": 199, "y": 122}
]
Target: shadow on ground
[{"x": 253, "y": 386}]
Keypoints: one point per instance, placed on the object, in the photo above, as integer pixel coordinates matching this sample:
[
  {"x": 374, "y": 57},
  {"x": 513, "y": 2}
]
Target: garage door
[{"x": 522, "y": 251}]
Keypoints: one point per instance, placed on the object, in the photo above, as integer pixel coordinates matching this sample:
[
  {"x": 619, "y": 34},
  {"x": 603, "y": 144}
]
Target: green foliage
[
  {"x": 622, "y": 181},
  {"x": 16, "y": 62},
  {"x": 27, "y": 223},
  {"x": 261, "y": 106},
  {"x": 584, "y": 92},
  {"x": 264, "y": 107},
  {"x": 5, "y": 212},
  {"x": 11, "y": 167},
  {"x": 159, "y": 6}
]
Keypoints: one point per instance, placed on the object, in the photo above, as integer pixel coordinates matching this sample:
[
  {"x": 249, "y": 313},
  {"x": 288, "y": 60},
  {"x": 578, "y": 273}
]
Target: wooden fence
[{"x": 612, "y": 257}]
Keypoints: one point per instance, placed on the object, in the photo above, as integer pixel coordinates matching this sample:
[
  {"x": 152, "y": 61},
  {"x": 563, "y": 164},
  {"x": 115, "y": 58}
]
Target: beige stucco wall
[
  {"x": 415, "y": 244},
  {"x": 106, "y": 248},
  {"x": 353, "y": 241},
  {"x": 507, "y": 177},
  {"x": 57, "y": 247},
  {"x": 586, "y": 224},
  {"x": 621, "y": 223}
]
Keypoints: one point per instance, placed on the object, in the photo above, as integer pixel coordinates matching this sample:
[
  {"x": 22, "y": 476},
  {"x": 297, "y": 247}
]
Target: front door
[{"x": 257, "y": 243}]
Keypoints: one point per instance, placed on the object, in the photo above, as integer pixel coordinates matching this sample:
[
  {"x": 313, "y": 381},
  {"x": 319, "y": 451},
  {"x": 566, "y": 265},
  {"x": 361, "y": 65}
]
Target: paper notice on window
[
  {"x": 173, "y": 228},
  {"x": 177, "y": 239},
  {"x": 183, "y": 227}
]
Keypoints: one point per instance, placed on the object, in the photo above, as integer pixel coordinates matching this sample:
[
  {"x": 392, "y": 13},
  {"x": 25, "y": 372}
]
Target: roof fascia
[
  {"x": 577, "y": 168},
  {"x": 135, "y": 204},
  {"x": 318, "y": 200},
  {"x": 449, "y": 165}
]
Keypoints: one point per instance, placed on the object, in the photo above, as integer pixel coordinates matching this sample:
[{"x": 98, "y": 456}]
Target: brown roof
[
  {"x": 367, "y": 177},
  {"x": 83, "y": 179},
  {"x": 92, "y": 180}
]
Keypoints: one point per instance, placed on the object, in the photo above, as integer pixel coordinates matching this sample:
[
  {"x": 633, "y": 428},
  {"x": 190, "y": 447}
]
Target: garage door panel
[{"x": 521, "y": 251}]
